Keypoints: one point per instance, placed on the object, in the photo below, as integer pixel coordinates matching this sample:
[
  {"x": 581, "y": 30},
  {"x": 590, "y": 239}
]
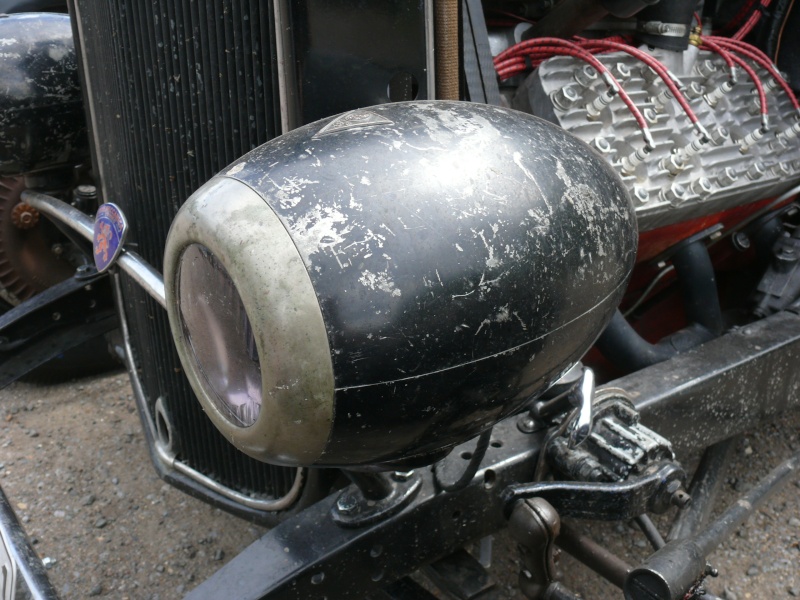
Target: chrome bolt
[
  {"x": 566, "y": 97},
  {"x": 346, "y": 504},
  {"x": 756, "y": 171},
  {"x": 695, "y": 90},
  {"x": 602, "y": 145},
  {"x": 402, "y": 476},
  {"x": 621, "y": 71},
  {"x": 702, "y": 187},
  {"x": 673, "y": 164},
  {"x": 586, "y": 76},
  {"x": 782, "y": 170},
  {"x": 705, "y": 68},
  {"x": 727, "y": 177},
  {"x": 675, "y": 194}
]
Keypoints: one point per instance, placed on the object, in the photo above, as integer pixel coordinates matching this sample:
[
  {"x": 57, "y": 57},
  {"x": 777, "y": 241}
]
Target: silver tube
[
  {"x": 167, "y": 458},
  {"x": 69, "y": 215},
  {"x": 142, "y": 273},
  {"x": 134, "y": 265}
]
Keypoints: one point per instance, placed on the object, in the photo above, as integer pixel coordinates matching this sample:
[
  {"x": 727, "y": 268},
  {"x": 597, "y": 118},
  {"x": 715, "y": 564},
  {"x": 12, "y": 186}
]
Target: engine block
[{"x": 682, "y": 178}]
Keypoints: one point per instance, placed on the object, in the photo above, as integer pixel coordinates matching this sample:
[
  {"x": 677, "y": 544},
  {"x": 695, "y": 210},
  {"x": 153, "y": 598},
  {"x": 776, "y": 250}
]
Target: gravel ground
[{"x": 74, "y": 463}]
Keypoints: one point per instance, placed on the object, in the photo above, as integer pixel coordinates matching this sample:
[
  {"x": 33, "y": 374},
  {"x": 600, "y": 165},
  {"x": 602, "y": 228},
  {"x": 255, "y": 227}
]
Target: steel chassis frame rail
[{"x": 727, "y": 385}]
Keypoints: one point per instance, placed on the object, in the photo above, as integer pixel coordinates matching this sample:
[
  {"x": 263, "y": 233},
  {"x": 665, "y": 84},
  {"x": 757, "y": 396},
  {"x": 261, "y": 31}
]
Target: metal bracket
[
  {"x": 653, "y": 491},
  {"x": 534, "y": 525},
  {"x": 354, "y": 509},
  {"x": 60, "y": 318}
]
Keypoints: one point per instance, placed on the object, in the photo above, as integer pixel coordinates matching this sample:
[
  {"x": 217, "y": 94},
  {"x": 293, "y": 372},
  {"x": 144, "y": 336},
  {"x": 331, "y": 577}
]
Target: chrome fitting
[
  {"x": 727, "y": 177},
  {"x": 674, "y": 194},
  {"x": 566, "y": 97}
]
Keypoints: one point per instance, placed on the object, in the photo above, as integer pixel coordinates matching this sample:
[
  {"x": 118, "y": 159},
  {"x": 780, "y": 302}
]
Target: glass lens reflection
[{"x": 220, "y": 335}]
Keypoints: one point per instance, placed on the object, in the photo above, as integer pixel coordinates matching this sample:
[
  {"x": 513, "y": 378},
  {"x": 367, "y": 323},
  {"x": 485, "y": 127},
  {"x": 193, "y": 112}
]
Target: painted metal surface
[
  {"x": 462, "y": 257},
  {"x": 353, "y": 563},
  {"x": 41, "y": 110}
]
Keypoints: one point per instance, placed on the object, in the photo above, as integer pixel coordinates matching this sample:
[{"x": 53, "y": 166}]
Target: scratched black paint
[
  {"x": 463, "y": 257},
  {"x": 41, "y": 110}
]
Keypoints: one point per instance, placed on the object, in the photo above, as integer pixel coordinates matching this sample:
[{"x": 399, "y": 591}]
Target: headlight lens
[{"x": 220, "y": 336}]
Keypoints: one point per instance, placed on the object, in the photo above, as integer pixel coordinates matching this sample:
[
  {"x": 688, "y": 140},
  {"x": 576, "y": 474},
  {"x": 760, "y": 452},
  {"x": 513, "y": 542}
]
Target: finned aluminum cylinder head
[{"x": 769, "y": 166}]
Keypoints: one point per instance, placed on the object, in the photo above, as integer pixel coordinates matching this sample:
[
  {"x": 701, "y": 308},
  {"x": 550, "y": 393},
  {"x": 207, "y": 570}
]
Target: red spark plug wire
[
  {"x": 762, "y": 60},
  {"x": 751, "y": 22},
  {"x": 762, "y": 96},
  {"x": 538, "y": 46},
  {"x": 668, "y": 78}
]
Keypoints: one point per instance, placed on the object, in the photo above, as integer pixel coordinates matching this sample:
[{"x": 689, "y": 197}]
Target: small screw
[
  {"x": 346, "y": 504},
  {"x": 740, "y": 241},
  {"x": 57, "y": 249},
  {"x": 56, "y": 316},
  {"x": 527, "y": 424},
  {"x": 402, "y": 476}
]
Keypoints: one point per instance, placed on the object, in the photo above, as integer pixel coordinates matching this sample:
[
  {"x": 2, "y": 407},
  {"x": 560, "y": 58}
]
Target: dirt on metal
[{"x": 74, "y": 462}]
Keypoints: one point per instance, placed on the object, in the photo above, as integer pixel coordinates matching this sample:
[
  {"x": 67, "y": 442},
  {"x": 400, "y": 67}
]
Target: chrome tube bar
[{"x": 130, "y": 262}]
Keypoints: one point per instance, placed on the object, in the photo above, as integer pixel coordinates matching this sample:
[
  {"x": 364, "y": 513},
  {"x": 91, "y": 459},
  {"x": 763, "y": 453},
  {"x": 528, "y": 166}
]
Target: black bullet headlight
[
  {"x": 380, "y": 286},
  {"x": 248, "y": 325}
]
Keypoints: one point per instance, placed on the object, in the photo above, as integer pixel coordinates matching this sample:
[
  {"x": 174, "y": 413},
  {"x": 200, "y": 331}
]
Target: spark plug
[
  {"x": 750, "y": 139},
  {"x": 717, "y": 136},
  {"x": 662, "y": 99},
  {"x": 715, "y": 95},
  {"x": 770, "y": 85},
  {"x": 596, "y": 106},
  {"x": 633, "y": 160},
  {"x": 788, "y": 134}
]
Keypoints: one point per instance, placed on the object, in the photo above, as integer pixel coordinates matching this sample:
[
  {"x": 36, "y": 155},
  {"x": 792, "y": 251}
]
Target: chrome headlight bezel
[{"x": 297, "y": 387}]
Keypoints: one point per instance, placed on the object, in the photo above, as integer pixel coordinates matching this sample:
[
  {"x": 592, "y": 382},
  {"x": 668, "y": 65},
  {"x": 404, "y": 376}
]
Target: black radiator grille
[{"x": 179, "y": 89}]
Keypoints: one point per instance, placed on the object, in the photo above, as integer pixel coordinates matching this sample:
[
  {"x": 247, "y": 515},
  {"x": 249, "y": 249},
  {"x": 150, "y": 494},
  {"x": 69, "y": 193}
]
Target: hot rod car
[{"x": 392, "y": 276}]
